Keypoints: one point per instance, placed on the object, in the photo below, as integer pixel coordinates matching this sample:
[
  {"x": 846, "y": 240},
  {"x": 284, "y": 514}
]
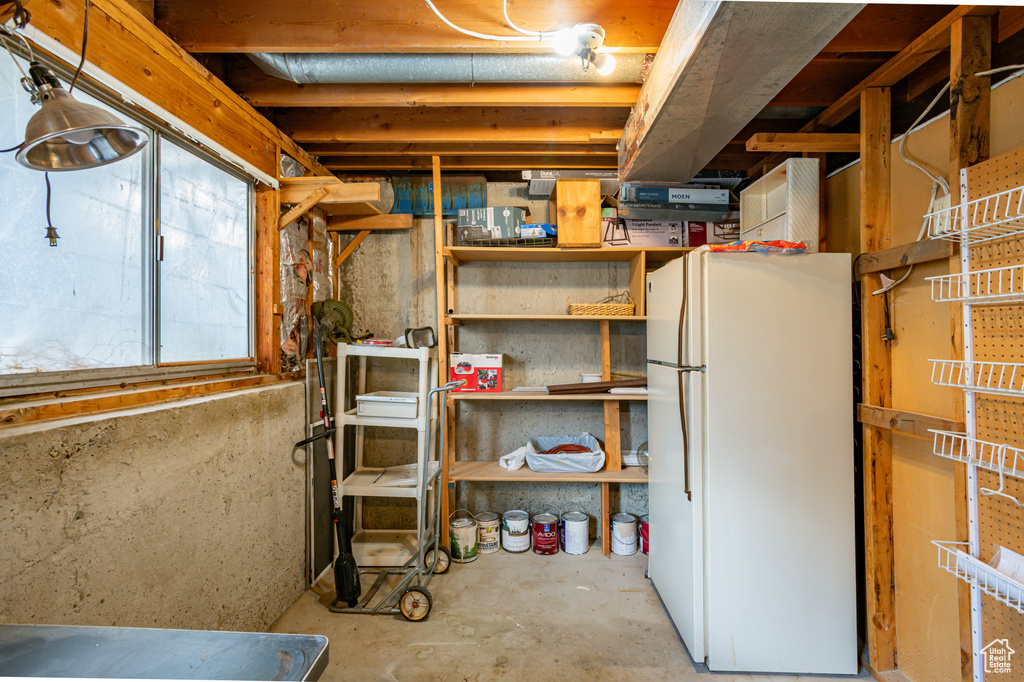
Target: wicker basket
[{"x": 619, "y": 304}]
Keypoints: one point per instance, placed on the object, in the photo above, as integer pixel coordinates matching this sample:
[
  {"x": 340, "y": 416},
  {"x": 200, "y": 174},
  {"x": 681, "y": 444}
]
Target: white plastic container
[{"x": 394, "y": 404}]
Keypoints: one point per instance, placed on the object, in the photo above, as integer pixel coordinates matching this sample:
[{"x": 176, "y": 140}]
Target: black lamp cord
[{"x": 85, "y": 41}]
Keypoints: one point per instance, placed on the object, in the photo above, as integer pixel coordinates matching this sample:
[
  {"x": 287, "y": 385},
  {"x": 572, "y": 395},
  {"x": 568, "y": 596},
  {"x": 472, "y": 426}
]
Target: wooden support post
[
  {"x": 606, "y": 533},
  {"x": 268, "y": 280},
  {"x": 970, "y": 103},
  {"x": 612, "y": 435},
  {"x": 875, "y": 231},
  {"x": 444, "y": 345}
]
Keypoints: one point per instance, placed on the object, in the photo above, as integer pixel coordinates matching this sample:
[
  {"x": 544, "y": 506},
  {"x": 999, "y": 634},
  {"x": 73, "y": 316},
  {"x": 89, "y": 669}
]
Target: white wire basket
[
  {"x": 992, "y": 217},
  {"x": 1003, "y": 378},
  {"x": 954, "y": 559},
  {"x": 997, "y": 285},
  {"x": 998, "y": 457}
]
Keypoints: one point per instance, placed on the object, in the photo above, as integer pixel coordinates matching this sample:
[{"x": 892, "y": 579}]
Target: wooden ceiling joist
[
  {"x": 468, "y": 149},
  {"x": 450, "y": 125},
  {"x": 804, "y": 142},
  {"x": 399, "y": 25},
  {"x": 274, "y": 92},
  {"x": 472, "y": 163}
]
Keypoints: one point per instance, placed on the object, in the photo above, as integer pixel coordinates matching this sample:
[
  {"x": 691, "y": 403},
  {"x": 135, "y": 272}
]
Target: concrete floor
[{"x": 518, "y": 617}]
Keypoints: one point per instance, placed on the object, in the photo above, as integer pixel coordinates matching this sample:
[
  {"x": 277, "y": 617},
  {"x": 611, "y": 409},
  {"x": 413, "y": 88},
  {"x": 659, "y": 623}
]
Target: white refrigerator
[{"x": 751, "y": 486}]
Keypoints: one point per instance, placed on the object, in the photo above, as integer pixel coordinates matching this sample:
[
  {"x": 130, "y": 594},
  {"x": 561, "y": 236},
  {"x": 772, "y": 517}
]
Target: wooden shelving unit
[
  {"x": 531, "y": 395},
  {"x": 448, "y": 259},
  {"x": 492, "y": 471}
]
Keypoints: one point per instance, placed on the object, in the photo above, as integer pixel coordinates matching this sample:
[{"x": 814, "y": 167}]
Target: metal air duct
[{"x": 442, "y": 68}]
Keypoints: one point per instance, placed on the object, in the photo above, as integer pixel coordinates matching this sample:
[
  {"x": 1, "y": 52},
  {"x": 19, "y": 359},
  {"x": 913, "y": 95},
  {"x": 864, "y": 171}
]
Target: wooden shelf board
[
  {"x": 530, "y": 395},
  {"x": 491, "y": 471},
  {"x": 464, "y": 254},
  {"x": 468, "y": 317}
]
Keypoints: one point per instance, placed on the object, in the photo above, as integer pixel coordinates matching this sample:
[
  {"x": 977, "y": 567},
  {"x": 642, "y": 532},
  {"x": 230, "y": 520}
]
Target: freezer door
[
  {"x": 676, "y": 561},
  {"x": 779, "y": 494},
  {"x": 664, "y": 301}
]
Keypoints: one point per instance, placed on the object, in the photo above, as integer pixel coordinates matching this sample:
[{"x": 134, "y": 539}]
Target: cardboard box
[
  {"x": 481, "y": 372},
  {"x": 699, "y": 233},
  {"x": 645, "y": 233},
  {"x": 494, "y": 222}
]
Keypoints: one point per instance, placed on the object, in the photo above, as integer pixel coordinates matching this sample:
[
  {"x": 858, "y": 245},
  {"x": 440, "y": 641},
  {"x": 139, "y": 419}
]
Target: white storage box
[
  {"x": 783, "y": 205},
  {"x": 397, "y": 404}
]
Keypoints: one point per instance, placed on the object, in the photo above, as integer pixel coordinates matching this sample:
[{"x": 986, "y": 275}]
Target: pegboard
[{"x": 998, "y": 336}]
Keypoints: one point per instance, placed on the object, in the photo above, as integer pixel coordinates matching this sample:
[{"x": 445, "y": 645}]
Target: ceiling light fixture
[{"x": 582, "y": 40}]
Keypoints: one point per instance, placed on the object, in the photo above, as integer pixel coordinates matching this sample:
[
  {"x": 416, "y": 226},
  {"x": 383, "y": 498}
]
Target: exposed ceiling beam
[
  {"x": 450, "y": 125},
  {"x": 274, "y": 92},
  {"x": 481, "y": 163},
  {"x": 804, "y": 142},
  {"x": 399, "y": 25},
  {"x": 492, "y": 149},
  {"x": 917, "y": 53}
]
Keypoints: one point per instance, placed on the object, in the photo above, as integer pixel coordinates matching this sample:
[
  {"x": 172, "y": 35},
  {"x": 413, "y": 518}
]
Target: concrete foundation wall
[
  {"x": 390, "y": 284},
  {"x": 186, "y": 515}
]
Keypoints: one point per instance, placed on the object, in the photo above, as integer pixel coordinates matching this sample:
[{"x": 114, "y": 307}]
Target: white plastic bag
[
  {"x": 564, "y": 462},
  {"x": 513, "y": 461}
]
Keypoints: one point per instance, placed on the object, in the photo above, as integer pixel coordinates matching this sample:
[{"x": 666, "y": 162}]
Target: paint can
[
  {"x": 462, "y": 536},
  {"x": 574, "y": 532},
  {"x": 515, "y": 531},
  {"x": 623, "y": 534},
  {"x": 645, "y": 534},
  {"x": 545, "y": 534},
  {"x": 489, "y": 532}
]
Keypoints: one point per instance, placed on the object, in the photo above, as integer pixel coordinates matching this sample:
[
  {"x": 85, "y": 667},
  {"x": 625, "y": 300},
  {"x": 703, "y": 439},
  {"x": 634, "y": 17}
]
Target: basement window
[{"x": 151, "y": 276}]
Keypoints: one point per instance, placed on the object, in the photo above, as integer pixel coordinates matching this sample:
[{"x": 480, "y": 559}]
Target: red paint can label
[
  {"x": 545, "y": 534},
  {"x": 645, "y": 534}
]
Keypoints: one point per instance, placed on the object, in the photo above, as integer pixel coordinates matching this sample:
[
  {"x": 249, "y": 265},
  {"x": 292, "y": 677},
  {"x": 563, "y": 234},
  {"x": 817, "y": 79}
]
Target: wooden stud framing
[
  {"x": 387, "y": 221},
  {"x": 444, "y": 344},
  {"x": 350, "y": 248},
  {"x": 268, "y": 280},
  {"x": 969, "y": 120},
  {"x": 300, "y": 208},
  {"x": 905, "y": 254},
  {"x": 875, "y": 168},
  {"x": 910, "y": 423},
  {"x": 804, "y": 142}
]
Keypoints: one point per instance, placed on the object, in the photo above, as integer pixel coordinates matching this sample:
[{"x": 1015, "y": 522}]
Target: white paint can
[
  {"x": 624, "y": 535},
  {"x": 462, "y": 538},
  {"x": 515, "y": 531},
  {"x": 575, "y": 532},
  {"x": 490, "y": 532}
]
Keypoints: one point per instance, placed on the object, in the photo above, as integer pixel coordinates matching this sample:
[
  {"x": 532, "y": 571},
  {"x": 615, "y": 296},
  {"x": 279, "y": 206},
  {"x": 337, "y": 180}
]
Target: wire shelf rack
[
  {"x": 998, "y": 457},
  {"x": 1003, "y": 378},
  {"x": 1003, "y": 588},
  {"x": 996, "y": 285},
  {"x": 992, "y": 217}
]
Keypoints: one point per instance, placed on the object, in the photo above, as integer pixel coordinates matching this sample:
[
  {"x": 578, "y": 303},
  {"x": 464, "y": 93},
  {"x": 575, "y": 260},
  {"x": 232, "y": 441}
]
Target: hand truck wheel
[
  {"x": 415, "y": 604},
  {"x": 438, "y": 558}
]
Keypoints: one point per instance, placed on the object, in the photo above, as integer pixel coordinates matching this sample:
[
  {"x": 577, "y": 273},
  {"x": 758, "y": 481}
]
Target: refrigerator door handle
[
  {"x": 686, "y": 444},
  {"x": 681, "y": 368}
]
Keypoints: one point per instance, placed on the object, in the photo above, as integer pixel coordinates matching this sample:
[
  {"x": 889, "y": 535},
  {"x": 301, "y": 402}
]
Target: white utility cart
[{"x": 408, "y": 410}]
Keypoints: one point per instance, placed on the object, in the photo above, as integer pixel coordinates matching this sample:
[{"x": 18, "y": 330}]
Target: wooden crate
[{"x": 575, "y": 206}]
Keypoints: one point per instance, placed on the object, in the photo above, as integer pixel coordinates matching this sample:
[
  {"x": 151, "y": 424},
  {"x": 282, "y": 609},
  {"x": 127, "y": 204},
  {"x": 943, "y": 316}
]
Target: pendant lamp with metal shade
[{"x": 66, "y": 134}]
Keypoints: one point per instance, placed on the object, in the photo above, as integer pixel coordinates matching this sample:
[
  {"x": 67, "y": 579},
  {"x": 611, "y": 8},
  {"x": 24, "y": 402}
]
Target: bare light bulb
[
  {"x": 79, "y": 136},
  {"x": 565, "y": 41},
  {"x": 605, "y": 63}
]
